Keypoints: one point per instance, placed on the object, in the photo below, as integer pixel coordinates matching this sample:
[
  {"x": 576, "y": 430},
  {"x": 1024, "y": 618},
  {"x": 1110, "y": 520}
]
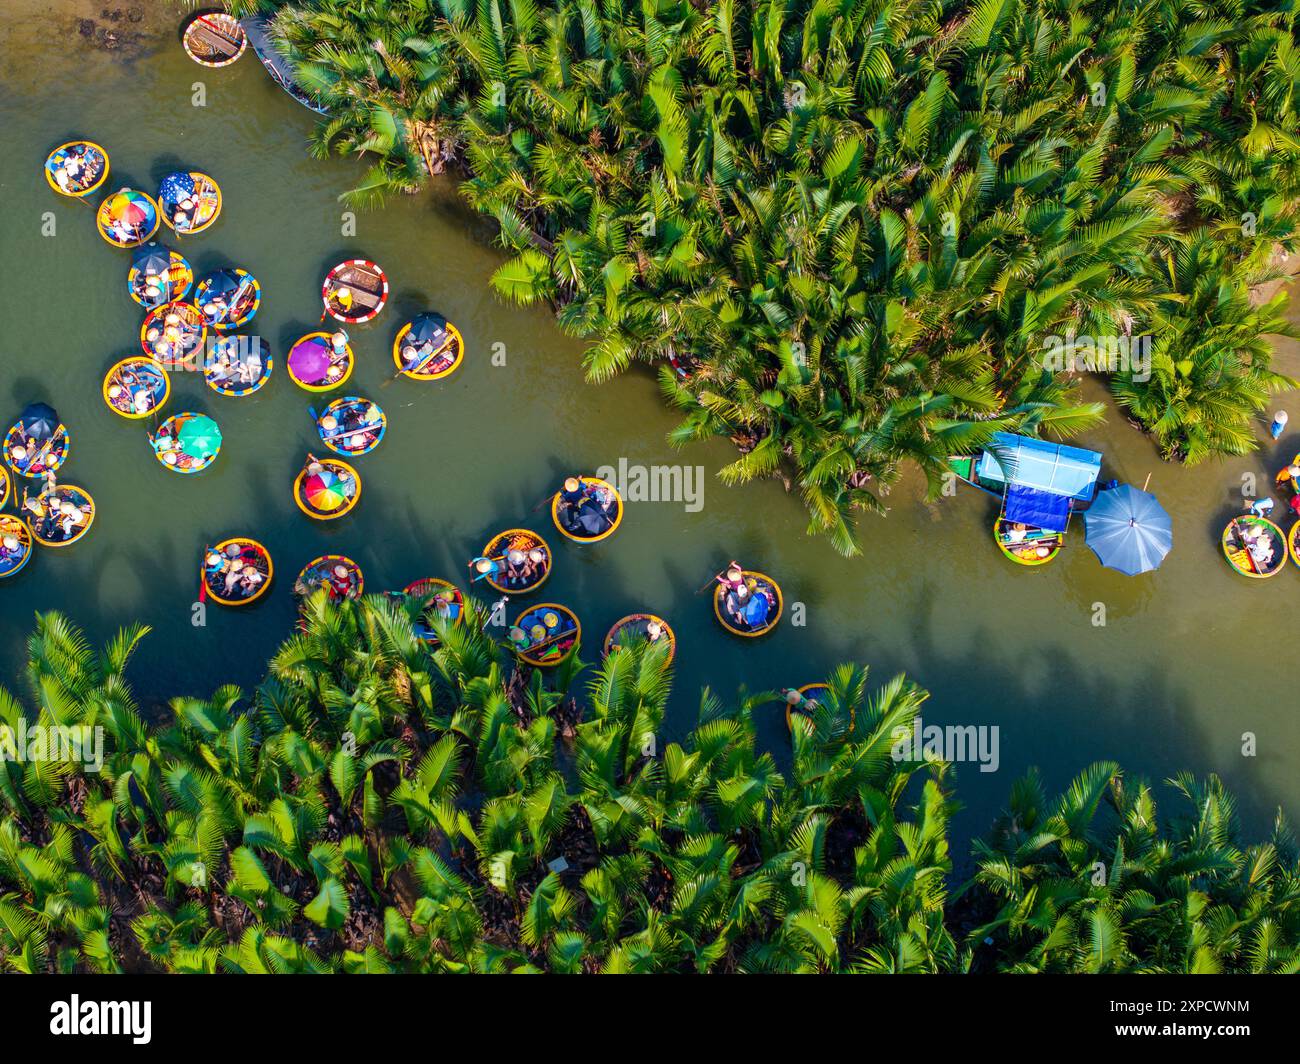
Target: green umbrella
[{"x": 199, "y": 436}]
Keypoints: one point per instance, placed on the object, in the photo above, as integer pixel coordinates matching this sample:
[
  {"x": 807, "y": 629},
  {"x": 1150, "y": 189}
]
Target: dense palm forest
[
  {"x": 845, "y": 231},
  {"x": 374, "y": 806}
]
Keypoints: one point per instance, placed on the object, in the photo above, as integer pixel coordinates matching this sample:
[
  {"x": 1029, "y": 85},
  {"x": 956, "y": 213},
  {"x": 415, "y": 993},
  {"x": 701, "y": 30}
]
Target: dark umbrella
[
  {"x": 430, "y": 328},
  {"x": 152, "y": 260},
  {"x": 175, "y": 187},
  {"x": 39, "y": 421},
  {"x": 1128, "y": 530},
  {"x": 221, "y": 283}
]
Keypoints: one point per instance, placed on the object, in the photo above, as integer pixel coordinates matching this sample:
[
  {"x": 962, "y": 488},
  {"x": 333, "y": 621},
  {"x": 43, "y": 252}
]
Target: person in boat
[
  {"x": 1259, "y": 543},
  {"x": 10, "y": 551},
  {"x": 183, "y": 216},
  {"x": 35, "y": 505},
  {"x": 1262, "y": 507},
  {"x": 800, "y": 703},
  {"x": 339, "y": 344},
  {"x": 216, "y": 309},
  {"x": 340, "y": 583},
  {"x": 414, "y": 355},
  {"x": 536, "y": 565},
  {"x": 654, "y": 631},
  {"x": 519, "y": 639},
  {"x": 341, "y": 300},
  {"x": 749, "y": 605},
  {"x": 444, "y": 604},
  {"x": 1016, "y": 532},
  {"x": 519, "y": 568},
  {"x": 1288, "y": 476},
  {"x": 71, "y": 517},
  {"x": 486, "y": 569},
  {"x": 732, "y": 578}
]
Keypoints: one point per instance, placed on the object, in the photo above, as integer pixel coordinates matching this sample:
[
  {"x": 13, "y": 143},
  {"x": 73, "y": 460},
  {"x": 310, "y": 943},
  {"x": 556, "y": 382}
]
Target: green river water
[{"x": 1190, "y": 658}]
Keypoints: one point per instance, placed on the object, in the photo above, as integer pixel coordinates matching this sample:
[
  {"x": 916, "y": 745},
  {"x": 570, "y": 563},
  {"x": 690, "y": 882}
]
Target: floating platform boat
[
  {"x": 157, "y": 276},
  {"x": 590, "y": 512},
  {"x": 77, "y": 169},
  {"x": 767, "y": 608},
  {"x": 1025, "y": 544},
  {"x": 60, "y": 517},
  {"x": 259, "y": 36},
  {"x": 228, "y": 298},
  {"x": 238, "y": 365},
  {"x": 15, "y": 544},
  {"x": 173, "y": 334},
  {"x": 136, "y": 387},
  {"x": 640, "y": 628},
  {"x": 127, "y": 218},
  {"x": 187, "y": 443},
  {"x": 337, "y": 574},
  {"x": 33, "y": 456},
  {"x": 315, "y": 366},
  {"x": 354, "y": 291},
  {"x": 226, "y": 575},
  {"x": 1254, "y": 546},
  {"x": 351, "y": 425},
  {"x": 192, "y": 194},
  {"x": 545, "y": 635},
  {"x": 214, "y": 39},
  {"x": 329, "y": 492},
  {"x": 439, "y": 600},
  {"x": 521, "y": 562},
  {"x": 428, "y": 348}
]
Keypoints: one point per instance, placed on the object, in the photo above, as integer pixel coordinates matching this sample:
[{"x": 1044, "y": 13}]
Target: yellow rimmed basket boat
[
  {"x": 354, "y": 291},
  {"x": 173, "y": 334},
  {"x": 62, "y": 516},
  {"x": 511, "y": 578},
  {"x": 205, "y": 202},
  {"x": 428, "y": 348},
  {"x": 634, "y": 628},
  {"x": 214, "y": 39},
  {"x": 1293, "y": 543},
  {"x": 38, "y": 456},
  {"x": 1246, "y": 532},
  {"x": 315, "y": 367},
  {"x": 167, "y": 443},
  {"x": 228, "y": 298},
  {"x": 328, "y": 493},
  {"x": 1038, "y": 547},
  {"x": 593, "y": 516},
  {"x": 136, "y": 387},
  {"x": 157, "y": 276},
  {"x": 758, "y": 583},
  {"x": 88, "y": 161},
  {"x": 237, "y": 366},
  {"x": 15, "y": 544},
  {"x": 550, "y": 634},
  {"x": 128, "y": 218},
  {"x": 339, "y": 575},
  {"x": 351, "y": 425},
  {"x": 439, "y": 599},
  {"x": 224, "y": 575}
]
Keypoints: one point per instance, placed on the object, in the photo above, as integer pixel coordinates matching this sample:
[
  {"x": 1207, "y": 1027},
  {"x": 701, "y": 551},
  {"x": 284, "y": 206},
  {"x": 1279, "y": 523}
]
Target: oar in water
[
  {"x": 713, "y": 579},
  {"x": 417, "y": 366}
]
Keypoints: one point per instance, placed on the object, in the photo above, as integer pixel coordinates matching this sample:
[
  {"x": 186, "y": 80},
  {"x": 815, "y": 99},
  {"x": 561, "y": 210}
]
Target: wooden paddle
[
  {"x": 40, "y": 455},
  {"x": 418, "y": 365},
  {"x": 714, "y": 579},
  {"x": 545, "y": 642}
]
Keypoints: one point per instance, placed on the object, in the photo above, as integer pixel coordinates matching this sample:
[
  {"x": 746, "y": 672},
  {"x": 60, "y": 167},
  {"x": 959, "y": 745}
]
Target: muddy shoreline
[{"x": 125, "y": 30}]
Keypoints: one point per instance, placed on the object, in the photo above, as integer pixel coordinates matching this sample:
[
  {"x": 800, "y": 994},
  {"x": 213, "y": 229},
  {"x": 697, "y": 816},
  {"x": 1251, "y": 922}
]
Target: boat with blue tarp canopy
[
  {"x": 1040, "y": 509},
  {"x": 1049, "y": 467}
]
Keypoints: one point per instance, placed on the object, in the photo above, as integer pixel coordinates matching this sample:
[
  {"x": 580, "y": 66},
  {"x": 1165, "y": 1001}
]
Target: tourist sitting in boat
[
  {"x": 584, "y": 508},
  {"x": 1259, "y": 542},
  {"x": 486, "y": 569},
  {"x": 748, "y": 606},
  {"x": 341, "y": 300},
  {"x": 339, "y": 344},
  {"x": 798, "y": 702},
  {"x": 53, "y": 519},
  {"x": 231, "y": 573},
  {"x": 78, "y": 168},
  {"x": 733, "y": 577},
  {"x": 11, "y": 551},
  {"x": 183, "y": 216},
  {"x": 339, "y": 583},
  {"x": 415, "y": 354}
]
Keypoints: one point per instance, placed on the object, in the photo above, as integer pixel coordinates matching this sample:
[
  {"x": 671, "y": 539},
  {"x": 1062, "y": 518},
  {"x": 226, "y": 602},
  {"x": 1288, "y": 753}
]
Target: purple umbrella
[{"x": 310, "y": 360}]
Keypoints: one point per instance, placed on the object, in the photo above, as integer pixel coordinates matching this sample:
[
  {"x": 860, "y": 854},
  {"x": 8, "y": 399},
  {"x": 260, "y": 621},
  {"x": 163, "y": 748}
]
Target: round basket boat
[
  {"x": 1293, "y": 543},
  {"x": 34, "y": 458},
  {"x": 329, "y": 493},
  {"x": 61, "y": 517},
  {"x": 237, "y": 365},
  {"x": 214, "y": 39},
  {"x": 808, "y": 690},
  {"x": 351, "y": 425},
  {"x": 315, "y": 366},
  {"x": 204, "y": 200},
  {"x": 549, "y": 634},
  {"x": 158, "y": 276},
  {"x": 338, "y": 574},
  {"x": 127, "y": 218},
  {"x": 591, "y": 514},
  {"x": 184, "y": 454},
  {"x": 512, "y": 577},
  {"x": 228, "y": 298},
  {"x": 428, "y": 348},
  {"x": 77, "y": 168},
  {"x": 174, "y": 334},
  {"x": 225, "y": 571},
  {"x": 634, "y": 628},
  {"x": 1032, "y": 550},
  {"x": 438, "y": 599},
  {"x": 775, "y": 603},
  {"x": 1247, "y": 531},
  {"x": 15, "y": 544},
  {"x": 136, "y": 387},
  {"x": 354, "y": 291}
]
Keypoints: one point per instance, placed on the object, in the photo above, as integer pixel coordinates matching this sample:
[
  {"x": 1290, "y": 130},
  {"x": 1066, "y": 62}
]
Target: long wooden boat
[
  {"x": 756, "y": 582},
  {"x": 354, "y": 291},
  {"x": 214, "y": 39},
  {"x": 259, "y": 36},
  {"x": 34, "y": 458},
  {"x": 593, "y": 498},
  {"x": 521, "y": 562},
  {"x": 204, "y": 204},
  {"x": 166, "y": 447},
  {"x": 635, "y": 628},
  {"x": 440, "y": 600},
  {"x": 228, "y": 298},
  {"x": 225, "y": 571},
  {"x": 339, "y": 575},
  {"x": 174, "y": 334},
  {"x": 128, "y": 218},
  {"x": 1038, "y": 547},
  {"x": 136, "y": 387},
  {"x": 152, "y": 290},
  {"x": 338, "y": 481},
  {"x": 337, "y": 369},
  {"x": 86, "y": 160},
  {"x": 60, "y": 517},
  {"x": 1247, "y": 529},
  {"x": 351, "y": 425},
  {"x": 545, "y": 635},
  {"x": 238, "y": 365},
  {"x": 15, "y": 544},
  {"x": 808, "y": 690},
  {"x": 439, "y": 358}
]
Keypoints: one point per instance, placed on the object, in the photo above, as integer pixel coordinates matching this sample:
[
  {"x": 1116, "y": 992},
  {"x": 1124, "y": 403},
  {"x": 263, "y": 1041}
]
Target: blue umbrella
[
  {"x": 1128, "y": 530},
  {"x": 175, "y": 187}
]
